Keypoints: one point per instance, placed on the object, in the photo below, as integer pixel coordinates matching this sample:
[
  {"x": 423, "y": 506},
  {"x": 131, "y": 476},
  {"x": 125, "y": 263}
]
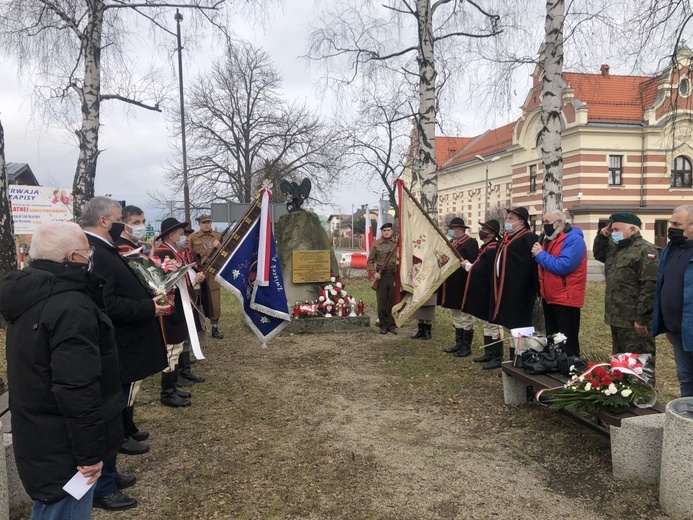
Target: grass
[{"x": 334, "y": 427}]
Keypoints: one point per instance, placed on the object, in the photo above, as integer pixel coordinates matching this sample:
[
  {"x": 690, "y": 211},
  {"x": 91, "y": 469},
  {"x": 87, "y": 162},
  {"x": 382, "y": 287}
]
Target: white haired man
[{"x": 62, "y": 366}]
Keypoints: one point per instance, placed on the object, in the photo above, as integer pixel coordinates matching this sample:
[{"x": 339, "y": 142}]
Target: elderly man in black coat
[
  {"x": 141, "y": 346},
  {"x": 62, "y": 367},
  {"x": 452, "y": 290}
]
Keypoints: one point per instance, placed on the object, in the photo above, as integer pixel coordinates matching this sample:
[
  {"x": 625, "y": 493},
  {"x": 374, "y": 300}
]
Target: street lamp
[
  {"x": 486, "y": 180},
  {"x": 186, "y": 192}
]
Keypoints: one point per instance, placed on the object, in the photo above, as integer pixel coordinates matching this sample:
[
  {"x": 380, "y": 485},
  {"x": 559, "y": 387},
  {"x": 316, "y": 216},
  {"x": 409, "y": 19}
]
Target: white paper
[
  {"x": 77, "y": 486},
  {"x": 192, "y": 274},
  {"x": 134, "y": 252},
  {"x": 522, "y": 332}
]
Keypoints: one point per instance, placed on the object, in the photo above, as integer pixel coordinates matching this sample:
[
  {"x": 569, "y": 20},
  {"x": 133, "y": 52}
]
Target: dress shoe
[
  {"x": 140, "y": 435},
  {"x": 125, "y": 481},
  {"x": 131, "y": 447},
  {"x": 383, "y": 330},
  {"x": 392, "y": 330},
  {"x": 215, "y": 333},
  {"x": 116, "y": 501}
]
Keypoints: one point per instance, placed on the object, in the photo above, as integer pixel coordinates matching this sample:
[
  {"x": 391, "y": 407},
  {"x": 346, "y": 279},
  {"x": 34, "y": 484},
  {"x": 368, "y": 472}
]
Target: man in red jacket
[{"x": 562, "y": 259}]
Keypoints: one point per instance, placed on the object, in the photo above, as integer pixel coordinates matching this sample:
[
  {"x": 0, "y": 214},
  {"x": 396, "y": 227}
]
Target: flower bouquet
[
  {"x": 614, "y": 386},
  {"x": 160, "y": 278},
  {"x": 333, "y": 299}
]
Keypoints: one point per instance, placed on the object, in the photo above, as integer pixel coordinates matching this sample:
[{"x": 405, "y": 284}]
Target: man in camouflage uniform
[
  {"x": 630, "y": 269},
  {"x": 386, "y": 274},
  {"x": 203, "y": 242}
]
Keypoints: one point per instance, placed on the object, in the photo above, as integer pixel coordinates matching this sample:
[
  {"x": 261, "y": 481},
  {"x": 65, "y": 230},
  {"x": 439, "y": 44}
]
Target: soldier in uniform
[
  {"x": 386, "y": 274},
  {"x": 451, "y": 292},
  {"x": 630, "y": 269},
  {"x": 204, "y": 242}
]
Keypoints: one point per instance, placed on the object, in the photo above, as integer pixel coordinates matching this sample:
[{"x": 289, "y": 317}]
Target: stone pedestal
[
  {"x": 636, "y": 448},
  {"x": 514, "y": 391},
  {"x": 322, "y": 325},
  {"x": 15, "y": 489},
  {"x": 301, "y": 231},
  {"x": 676, "y": 478}
]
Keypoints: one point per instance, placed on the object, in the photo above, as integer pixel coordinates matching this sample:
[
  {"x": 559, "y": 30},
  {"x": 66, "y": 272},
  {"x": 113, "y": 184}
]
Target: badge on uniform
[{"x": 650, "y": 256}]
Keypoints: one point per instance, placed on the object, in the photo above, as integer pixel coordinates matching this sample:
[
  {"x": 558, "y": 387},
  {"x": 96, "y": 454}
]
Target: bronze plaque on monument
[{"x": 311, "y": 266}]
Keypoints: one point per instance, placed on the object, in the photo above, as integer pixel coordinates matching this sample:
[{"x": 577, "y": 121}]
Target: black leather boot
[
  {"x": 131, "y": 444},
  {"x": 459, "y": 337},
  {"x": 466, "y": 349},
  {"x": 497, "y": 359},
  {"x": 486, "y": 356},
  {"x": 215, "y": 332},
  {"x": 169, "y": 395},
  {"x": 185, "y": 373},
  {"x": 427, "y": 331},
  {"x": 419, "y": 332}
]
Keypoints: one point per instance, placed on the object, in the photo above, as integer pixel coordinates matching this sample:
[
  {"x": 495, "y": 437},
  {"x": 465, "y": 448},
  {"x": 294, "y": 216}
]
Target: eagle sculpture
[{"x": 296, "y": 193}]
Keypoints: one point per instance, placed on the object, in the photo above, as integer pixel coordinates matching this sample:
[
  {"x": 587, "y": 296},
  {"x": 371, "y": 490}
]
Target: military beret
[
  {"x": 626, "y": 218},
  {"x": 386, "y": 226}
]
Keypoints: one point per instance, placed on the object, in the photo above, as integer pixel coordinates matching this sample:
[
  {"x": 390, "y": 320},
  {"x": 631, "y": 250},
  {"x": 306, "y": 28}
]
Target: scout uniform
[
  {"x": 380, "y": 250},
  {"x": 202, "y": 243}
]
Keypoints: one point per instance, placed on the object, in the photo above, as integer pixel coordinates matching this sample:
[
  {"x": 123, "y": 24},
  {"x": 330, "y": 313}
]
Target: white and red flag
[{"x": 368, "y": 233}]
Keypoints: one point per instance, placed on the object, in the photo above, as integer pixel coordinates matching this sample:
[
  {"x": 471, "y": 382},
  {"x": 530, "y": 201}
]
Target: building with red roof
[{"x": 627, "y": 146}]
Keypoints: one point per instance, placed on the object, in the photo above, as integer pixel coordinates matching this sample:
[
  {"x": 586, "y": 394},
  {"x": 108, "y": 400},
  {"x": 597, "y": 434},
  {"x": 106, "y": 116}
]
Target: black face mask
[
  {"x": 116, "y": 230},
  {"x": 549, "y": 229},
  {"x": 676, "y": 236},
  {"x": 483, "y": 235}
]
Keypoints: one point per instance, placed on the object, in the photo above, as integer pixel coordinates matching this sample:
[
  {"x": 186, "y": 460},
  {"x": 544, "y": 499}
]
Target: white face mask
[
  {"x": 509, "y": 226},
  {"x": 139, "y": 232}
]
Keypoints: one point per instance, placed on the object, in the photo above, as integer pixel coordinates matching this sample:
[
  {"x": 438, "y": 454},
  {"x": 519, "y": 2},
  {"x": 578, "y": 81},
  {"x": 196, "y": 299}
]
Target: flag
[
  {"x": 378, "y": 232},
  {"x": 426, "y": 257},
  {"x": 252, "y": 273},
  {"x": 368, "y": 233}
]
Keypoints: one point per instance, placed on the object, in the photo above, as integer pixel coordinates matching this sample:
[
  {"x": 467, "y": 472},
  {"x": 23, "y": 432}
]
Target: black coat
[
  {"x": 174, "y": 324},
  {"x": 130, "y": 306},
  {"x": 515, "y": 290},
  {"x": 451, "y": 292},
  {"x": 62, "y": 368},
  {"x": 477, "y": 295}
]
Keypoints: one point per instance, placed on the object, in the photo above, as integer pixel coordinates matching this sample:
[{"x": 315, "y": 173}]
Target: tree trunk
[
  {"x": 90, "y": 94},
  {"x": 551, "y": 104},
  {"x": 424, "y": 170},
  {"x": 8, "y": 252}
]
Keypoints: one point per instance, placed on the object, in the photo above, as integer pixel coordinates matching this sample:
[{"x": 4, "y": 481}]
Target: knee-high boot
[
  {"x": 169, "y": 393},
  {"x": 466, "y": 349},
  {"x": 185, "y": 372},
  {"x": 459, "y": 341},
  {"x": 486, "y": 356}
]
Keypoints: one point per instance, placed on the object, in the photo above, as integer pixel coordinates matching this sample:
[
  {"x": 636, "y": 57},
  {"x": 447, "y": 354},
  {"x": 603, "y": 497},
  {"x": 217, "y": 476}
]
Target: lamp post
[
  {"x": 186, "y": 192},
  {"x": 486, "y": 180}
]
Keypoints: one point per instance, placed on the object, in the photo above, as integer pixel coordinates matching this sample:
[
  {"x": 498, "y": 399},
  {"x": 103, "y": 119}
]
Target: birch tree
[
  {"x": 77, "y": 48},
  {"x": 551, "y": 105},
  {"x": 364, "y": 38},
  {"x": 8, "y": 252},
  {"x": 242, "y": 130}
]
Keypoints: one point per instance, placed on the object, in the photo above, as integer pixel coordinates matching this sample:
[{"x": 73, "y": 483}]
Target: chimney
[{"x": 605, "y": 70}]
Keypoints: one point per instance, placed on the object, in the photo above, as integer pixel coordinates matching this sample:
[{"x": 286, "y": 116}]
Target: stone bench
[
  {"x": 636, "y": 435},
  {"x": 12, "y": 492}
]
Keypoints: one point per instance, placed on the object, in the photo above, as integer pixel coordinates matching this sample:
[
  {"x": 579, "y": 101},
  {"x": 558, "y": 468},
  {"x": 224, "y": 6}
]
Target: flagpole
[{"x": 430, "y": 220}]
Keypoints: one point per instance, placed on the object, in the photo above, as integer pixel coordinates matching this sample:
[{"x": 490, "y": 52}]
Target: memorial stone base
[{"x": 322, "y": 325}]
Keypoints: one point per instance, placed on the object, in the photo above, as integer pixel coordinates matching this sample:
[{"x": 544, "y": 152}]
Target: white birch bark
[
  {"x": 8, "y": 252},
  {"x": 90, "y": 97},
  {"x": 425, "y": 169},
  {"x": 551, "y": 104}
]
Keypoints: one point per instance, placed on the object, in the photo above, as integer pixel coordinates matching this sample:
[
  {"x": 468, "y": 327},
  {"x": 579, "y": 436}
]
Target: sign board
[
  {"x": 233, "y": 212},
  {"x": 311, "y": 266},
  {"x": 35, "y": 205}
]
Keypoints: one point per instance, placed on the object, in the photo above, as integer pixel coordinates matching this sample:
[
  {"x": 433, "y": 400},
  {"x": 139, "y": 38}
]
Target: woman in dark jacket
[{"x": 62, "y": 367}]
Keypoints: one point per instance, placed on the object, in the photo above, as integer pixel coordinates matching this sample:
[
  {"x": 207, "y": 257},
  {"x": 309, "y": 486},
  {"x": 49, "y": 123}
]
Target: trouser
[
  {"x": 130, "y": 391},
  {"x": 384, "y": 294},
  {"x": 625, "y": 339},
  {"x": 107, "y": 481},
  {"x": 173, "y": 350},
  {"x": 461, "y": 320},
  {"x": 684, "y": 365},
  {"x": 566, "y": 320},
  {"x": 492, "y": 330},
  {"x": 68, "y": 508}
]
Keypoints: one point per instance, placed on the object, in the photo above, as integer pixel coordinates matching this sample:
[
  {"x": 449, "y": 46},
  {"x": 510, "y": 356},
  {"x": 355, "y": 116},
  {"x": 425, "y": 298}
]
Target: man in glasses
[{"x": 62, "y": 365}]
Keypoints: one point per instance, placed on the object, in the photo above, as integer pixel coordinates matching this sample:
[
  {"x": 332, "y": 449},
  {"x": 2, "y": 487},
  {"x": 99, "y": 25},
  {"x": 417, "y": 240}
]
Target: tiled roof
[
  {"x": 613, "y": 98},
  {"x": 446, "y": 147},
  {"x": 489, "y": 142}
]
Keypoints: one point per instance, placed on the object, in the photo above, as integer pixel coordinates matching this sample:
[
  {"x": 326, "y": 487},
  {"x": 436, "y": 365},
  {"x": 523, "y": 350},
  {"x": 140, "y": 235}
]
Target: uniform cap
[
  {"x": 626, "y": 218},
  {"x": 386, "y": 226},
  {"x": 205, "y": 217}
]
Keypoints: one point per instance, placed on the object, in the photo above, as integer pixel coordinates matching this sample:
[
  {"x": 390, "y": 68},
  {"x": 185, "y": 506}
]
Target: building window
[
  {"x": 681, "y": 173},
  {"x": 533, "y": 177},
  {"x": 615, "y": 170},
  {"x": 533, "y": 223},
  {"x": 684, "y": 87}
]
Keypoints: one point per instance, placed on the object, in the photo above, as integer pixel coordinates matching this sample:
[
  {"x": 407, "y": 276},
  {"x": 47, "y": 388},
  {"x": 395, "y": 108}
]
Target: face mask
[
  {"x": 509, "y": 226},
  {"x": 139, "y": 232},
  {"x": 116, "y": 230},
  {"x": 549, "y": 229},
  {"x": 90, "y": 262},
  {"x": 676, "y": 236},
  {"x": 181, "y": 241},
  {"x": 617, "y": 236},
  {"x": 483, "y": 235},
  {"x": 451, "y": 233}
]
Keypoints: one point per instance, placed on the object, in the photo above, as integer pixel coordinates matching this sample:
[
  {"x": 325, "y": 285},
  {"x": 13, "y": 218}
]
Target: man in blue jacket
[{"x": 673, "y": 308}]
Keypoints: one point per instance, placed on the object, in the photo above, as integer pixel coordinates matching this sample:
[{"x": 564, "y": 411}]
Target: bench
[{"x": 642, "y": 427}]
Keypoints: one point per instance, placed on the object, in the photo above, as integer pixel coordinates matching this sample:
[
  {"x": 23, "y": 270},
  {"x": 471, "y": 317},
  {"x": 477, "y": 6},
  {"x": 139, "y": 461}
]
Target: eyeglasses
[{"x": 89, "y": 250}]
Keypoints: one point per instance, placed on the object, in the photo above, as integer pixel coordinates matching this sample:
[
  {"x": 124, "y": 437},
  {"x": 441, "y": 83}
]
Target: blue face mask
[
  {"x": 451, "y": 233},
  {"x": 617, "y": 236},
  {"x": 181, "y": 241}
]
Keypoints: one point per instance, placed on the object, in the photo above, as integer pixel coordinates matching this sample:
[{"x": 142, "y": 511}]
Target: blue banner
[{"x": 265, "y": 307}]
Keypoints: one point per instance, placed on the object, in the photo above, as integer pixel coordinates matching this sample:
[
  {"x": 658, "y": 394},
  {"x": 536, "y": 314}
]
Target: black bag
[{"x": 544, "y": 362}]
